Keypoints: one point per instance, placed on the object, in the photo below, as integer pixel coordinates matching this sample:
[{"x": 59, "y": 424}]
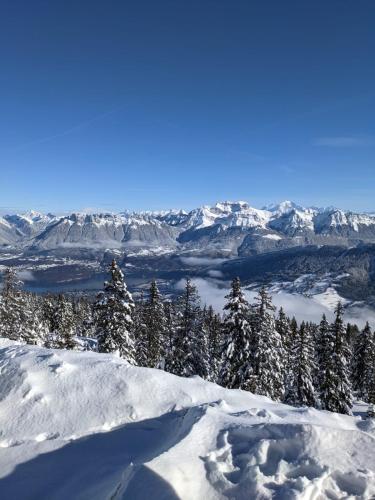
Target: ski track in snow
[{"x": 89, "y": 426}]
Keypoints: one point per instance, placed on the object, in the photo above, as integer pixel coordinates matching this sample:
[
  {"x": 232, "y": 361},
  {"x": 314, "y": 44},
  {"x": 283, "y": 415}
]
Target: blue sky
[{"x": 149, "y": 105}]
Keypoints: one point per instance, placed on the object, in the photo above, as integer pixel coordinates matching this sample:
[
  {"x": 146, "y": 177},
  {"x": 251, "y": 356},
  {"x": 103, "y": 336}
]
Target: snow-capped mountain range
[{"x": 227, "y": 228}]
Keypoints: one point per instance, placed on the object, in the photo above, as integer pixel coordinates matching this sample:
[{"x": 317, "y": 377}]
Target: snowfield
[{"x": 81, "y": 425}]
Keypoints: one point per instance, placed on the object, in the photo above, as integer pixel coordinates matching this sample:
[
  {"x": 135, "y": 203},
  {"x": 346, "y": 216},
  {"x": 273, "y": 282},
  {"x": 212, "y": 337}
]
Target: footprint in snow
[
  {"x": 45, "y": 436},
  {"x": 10, "y": 443},
  {"x": 45, "y": 357},
  {"x": 275, "y": 458},
  {"x": 59, "y": 368}
]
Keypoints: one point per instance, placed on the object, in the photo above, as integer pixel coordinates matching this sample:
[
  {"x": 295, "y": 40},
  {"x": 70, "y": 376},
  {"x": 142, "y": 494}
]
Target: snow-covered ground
[{"x": 81, "y": 425}]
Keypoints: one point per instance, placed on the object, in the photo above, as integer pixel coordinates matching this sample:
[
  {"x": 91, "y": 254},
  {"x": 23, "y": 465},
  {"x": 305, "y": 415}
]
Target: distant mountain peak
[
  {"x": 284, "y": 207},
  {"x": 231, "y": 205}
]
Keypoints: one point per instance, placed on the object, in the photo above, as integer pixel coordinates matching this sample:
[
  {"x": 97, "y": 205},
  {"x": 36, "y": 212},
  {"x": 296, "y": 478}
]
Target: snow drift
[{"x": 82, "y": 425}]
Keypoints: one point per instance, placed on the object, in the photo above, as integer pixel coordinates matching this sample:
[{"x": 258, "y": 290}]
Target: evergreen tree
[
  {"x": 371, "y": 396},
  {"x": 34, "y": 330},
  {"x": 301, "y": 390},
  {"x": 47, "y": 313},
  {"x": 189, "y": 352},
  {"x": 200, "y": 351},
  {"x": 352, "y": 333},
  {"x": 335, "y": 391},
  {"x": 236, "y": 371},
  {"x": 213, "y": 330},
  {"x": 363, "y": 362},
  {"x": 113, "y": 317},
  {"x": 323, "y": 351},
  {"x": 268, "y": 352},
  {"x": 12, "y": 306},
  {"x": 140, "y": 331},
  {"x": 83, "y": 317},
  {"x": 293, "y": 328},
  {"x": 282, "y": 325},
  {"x": 170, "y": 340},
  {"x": 284, "y": 330},
  {"x": 64, "y": 323},
  {"x": 155, "y": 322}
]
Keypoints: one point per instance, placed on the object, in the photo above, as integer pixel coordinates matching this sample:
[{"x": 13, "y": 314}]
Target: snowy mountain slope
[
  {"x": 284, "y": 207},
  {"x": 107, "y": 230},
  {"x": 8, "y": 233},
  {"x": 351, "y": 271},
  {"x": 90, "y": 426},
  {"x": 227, "y": 214},
  {"x": 31, "y": 223}
]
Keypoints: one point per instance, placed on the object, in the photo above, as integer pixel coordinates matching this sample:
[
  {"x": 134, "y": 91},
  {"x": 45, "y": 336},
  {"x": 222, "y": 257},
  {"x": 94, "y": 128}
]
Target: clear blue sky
[{"x": 158, "y": 104}]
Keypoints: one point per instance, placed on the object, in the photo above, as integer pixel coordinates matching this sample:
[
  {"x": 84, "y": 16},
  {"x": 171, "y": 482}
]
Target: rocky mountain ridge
[{"x": 226, "y": 229}]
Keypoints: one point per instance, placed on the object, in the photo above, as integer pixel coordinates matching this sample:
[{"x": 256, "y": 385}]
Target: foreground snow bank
[{"x": 89, "y": 426}]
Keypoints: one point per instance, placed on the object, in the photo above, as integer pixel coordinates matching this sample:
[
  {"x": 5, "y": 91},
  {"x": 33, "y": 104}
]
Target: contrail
[{"x": 68, "y": 131}]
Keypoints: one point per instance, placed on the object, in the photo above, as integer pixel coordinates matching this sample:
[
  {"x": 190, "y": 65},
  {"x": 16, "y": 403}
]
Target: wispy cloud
[
  {"x": 343, "y": 141},
  {"x": 71, "y": 130}
]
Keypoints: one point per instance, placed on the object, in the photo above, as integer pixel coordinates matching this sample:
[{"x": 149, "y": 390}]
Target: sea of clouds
[{"x": 213, "y": 292}]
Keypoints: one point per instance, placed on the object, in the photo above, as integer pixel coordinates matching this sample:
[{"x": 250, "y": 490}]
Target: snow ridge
[{"x": 105, "y": 429}]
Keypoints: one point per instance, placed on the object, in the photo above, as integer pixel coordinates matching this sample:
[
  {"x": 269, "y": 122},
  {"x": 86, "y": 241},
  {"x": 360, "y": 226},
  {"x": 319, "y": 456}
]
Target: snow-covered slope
[
  {"x": 227, "y": 214},
  {"x": 8, "y": 234},
  {"x": 90, "y": 426},
  {"x": 30, "y": 223},
  {"x": 107, "y": 231}
]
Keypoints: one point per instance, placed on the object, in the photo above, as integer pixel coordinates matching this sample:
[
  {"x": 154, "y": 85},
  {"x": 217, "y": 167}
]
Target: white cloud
[
  {"x": 91, "y": 244},
  {"x": 26, "y": 275},
  {"x": 213, "y": 293},
  {"x": 201, "y": 261},
  {"x": 215, "y": 273},
  {"x": 209, "y": 290}
]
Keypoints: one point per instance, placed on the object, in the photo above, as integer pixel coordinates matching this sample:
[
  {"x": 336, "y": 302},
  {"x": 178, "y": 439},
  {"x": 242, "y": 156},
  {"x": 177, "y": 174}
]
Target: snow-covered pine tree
[
  {"x": 213, "y": 328},
  {"x": 189, "y": 353},
  {"x": 64, "y": 323},
  {"x": 293, "y": 328},
  {"x": 113, "y": 317},
  {"x": 200, "y": 351},
  {"x": 140, "y": 331},
  {"x": 371, "y": 395},
  {"x": 371, "y": 386},
  {"x": 301, "y": 390},
  {"x": 155, "y": 323},
  {"x": 13, "y": 310},
  {"x": 323, "y": 351},
  {"x": 352, "y": 332},
  {"x": 48, "y": 308},
  {"x": 284, "y": 329},
  {"x": 236, "y": 370},
  {"x": 170, "y": 339},
  {"x": 268, "y": 353},
  {"x": 342, "y": 358},
  {"x": 83, "y": 317},
  {"x": 335, "y": 390},
  {"x": 282, "y": 325},
  {"x": 363, "y": 362},
  {"x": 34, "y": 330}
]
